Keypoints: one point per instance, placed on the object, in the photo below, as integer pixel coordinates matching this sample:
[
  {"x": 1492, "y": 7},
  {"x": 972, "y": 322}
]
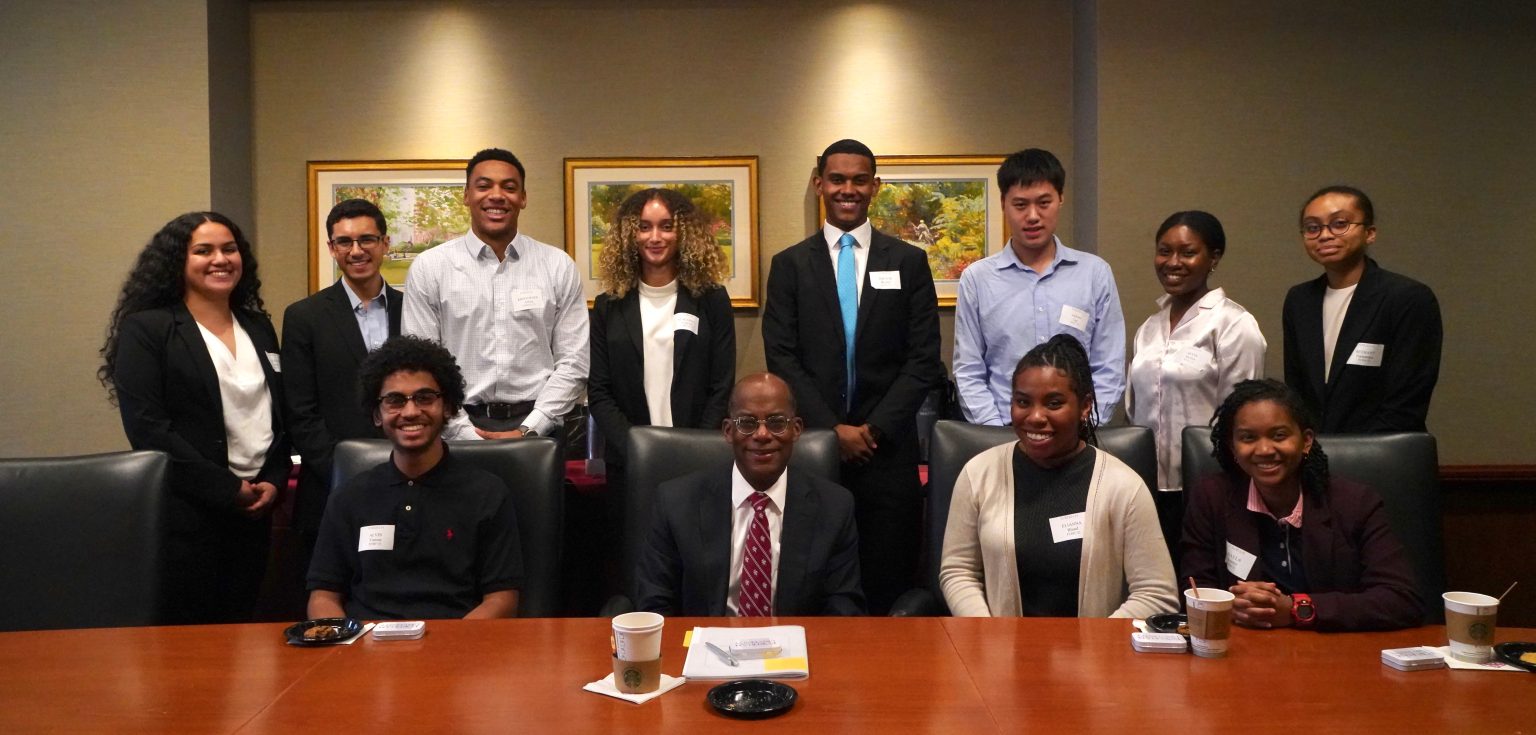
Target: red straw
[{"x": 1193, "y": 588}]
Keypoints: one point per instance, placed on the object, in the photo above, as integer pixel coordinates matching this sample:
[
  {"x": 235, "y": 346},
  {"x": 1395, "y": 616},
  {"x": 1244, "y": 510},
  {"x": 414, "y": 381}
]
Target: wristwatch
[
  {"x": 527, "y": 430},
  {"x": 1303, "y": 614}
]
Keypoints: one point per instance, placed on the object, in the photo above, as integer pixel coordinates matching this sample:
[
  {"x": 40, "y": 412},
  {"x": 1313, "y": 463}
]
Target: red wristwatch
[{"x": 1303, "y": 614}]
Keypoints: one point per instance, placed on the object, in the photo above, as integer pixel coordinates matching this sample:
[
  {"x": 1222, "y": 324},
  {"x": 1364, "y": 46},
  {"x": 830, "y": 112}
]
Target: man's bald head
[{"x": 758, "y": 382}]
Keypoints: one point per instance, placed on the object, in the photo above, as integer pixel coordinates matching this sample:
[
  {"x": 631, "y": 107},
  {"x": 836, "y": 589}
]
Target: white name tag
[
  {"x": 376, "y": 538},
  {"x": 524, "y": 299},
  {"x": 1367, "y": 354},
  {"x": 685, "y": 323},
  {"x": 885, "y": 279},
  {"x": 1194, "y": 359},
  {"x": 1067, "y": 527},
  {"x": 1074, "y": 317},
  {"x": 1239, "y": 562},
  {"x": 276, "y": 361}
]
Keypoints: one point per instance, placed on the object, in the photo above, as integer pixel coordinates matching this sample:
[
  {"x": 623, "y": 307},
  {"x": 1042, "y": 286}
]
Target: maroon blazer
[{"x": 1361, "y": 577}]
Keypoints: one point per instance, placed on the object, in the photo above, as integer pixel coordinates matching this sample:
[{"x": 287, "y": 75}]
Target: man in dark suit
[
  {"x": 852, "y": 325},
  {"x": 325, "y": 338},
  {"x": 757, "y": 538},
  {"x": 1362, "y": 344}
]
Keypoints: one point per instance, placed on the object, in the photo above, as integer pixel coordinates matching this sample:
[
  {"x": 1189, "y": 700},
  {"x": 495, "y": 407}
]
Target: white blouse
[
  {"x": 1179, "y": 376},
  {"x": 657, "y": 305},
  {"x": 247, "y": 403}
]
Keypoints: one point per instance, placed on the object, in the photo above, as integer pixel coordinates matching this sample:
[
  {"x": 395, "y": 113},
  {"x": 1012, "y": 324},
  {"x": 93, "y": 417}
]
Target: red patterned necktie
[{"x": 755, "y": 598}]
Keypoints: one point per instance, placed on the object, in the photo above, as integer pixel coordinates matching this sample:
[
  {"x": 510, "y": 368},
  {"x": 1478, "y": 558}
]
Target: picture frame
[
  {"x": 422, "y": 202},
  {"x": 724, "y": 188},
  {"x": 947, "y": 205}
]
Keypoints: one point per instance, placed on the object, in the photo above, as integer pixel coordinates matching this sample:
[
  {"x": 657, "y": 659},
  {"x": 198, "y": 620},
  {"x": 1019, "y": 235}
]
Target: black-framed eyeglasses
[
  {"x": 776, "y": 424},
  {"x": 1337, "y": 227},
  {"x": 366, "y": 242},
  {"x": 424, "y": 399}
]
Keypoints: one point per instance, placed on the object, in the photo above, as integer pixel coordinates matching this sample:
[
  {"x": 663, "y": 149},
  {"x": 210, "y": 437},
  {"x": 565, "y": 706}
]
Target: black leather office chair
[
  {"x": 535, "y": 471},
  {"x": 955, "y": 443},
  {"x": 80, "y": 540},
  {"x": 1403, "y": 467},
  {"x": 657, "y": 454}
]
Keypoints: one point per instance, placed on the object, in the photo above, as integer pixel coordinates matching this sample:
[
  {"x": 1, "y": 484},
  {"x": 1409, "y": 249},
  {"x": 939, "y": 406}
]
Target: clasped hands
[
  {"x": 1260, "y": 605},
  {"x": 255, "y": 499},
  {"x": 855, "y": 444}
]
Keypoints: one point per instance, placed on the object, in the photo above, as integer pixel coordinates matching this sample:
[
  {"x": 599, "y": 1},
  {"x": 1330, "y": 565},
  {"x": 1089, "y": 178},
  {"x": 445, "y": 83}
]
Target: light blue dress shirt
[
  {"x": 372, "y": 321},
  {"x": 1004, "y": 309}
]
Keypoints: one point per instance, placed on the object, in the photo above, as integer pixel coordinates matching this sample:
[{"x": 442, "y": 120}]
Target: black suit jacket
[
  {"x": 322, "y": 349},
  {"x": 896, "y": 344},
  {"x": 1387, "y": 309},
  {"x": 703, "y": 365},
  {"x": 168, "y": 394},
  {"x": 685, "y": 565},
  {"x": 1360, "y": 575}
]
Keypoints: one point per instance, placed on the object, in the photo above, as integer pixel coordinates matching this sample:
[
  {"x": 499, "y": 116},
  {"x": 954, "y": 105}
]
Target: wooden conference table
[{"x": 867, "y": 675}]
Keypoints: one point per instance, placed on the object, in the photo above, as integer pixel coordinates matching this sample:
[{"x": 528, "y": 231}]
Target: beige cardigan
[{"x": 1125, "y": 570}]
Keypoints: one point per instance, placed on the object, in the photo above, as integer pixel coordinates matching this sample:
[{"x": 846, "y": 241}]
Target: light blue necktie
[{"x": 848, "y": 297}]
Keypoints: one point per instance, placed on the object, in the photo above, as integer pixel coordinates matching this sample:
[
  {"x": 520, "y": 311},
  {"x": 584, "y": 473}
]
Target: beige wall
[
  {"x": 1241, "y": 110},
  {"x": 780, "y": 80},
  {"x": 106, "y": 137},
  {"x": 1428, "y": 107}
]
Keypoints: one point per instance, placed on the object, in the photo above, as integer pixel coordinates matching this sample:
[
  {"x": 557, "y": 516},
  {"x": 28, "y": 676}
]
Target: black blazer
[
  {"x": 703, "y": 365},
  {"x": 322, "y": 349},
  {"x": 1387, "y": 309},
  {"x": 685, "y": 565},
  {"x": 1359, "y": 574},
  {"x": 896, "y": 346},
  {"x": 168, "y": 393}
]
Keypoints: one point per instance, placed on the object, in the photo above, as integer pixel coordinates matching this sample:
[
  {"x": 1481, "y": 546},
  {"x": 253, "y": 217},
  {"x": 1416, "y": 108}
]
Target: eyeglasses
[
  {"x": 1337, "y": 227},
  {"x": 776, "y": 424},
  {"x": 424, "y": 399},
  {"x": 366, "y": 242}
]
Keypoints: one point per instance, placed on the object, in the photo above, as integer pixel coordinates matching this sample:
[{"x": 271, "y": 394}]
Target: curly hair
[
  {"x": 406, "y": 352},
  {"x": 1063, "y": 352},
  {"x": 700, "y": 264},
  {"x": 1314, "y": 464},
  {"x": 158, "y": 279}
]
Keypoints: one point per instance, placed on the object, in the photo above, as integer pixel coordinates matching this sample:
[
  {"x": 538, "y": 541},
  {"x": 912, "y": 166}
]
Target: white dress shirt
[
  {"x": 247, "y": 402},
  {"x": 658, "y": 304},
  {"x": 518, "y": 327},
  {"x": 862, "y": 235},
  {"x": 741, "y": 522},
  {"x": 1179, "y": 376}
]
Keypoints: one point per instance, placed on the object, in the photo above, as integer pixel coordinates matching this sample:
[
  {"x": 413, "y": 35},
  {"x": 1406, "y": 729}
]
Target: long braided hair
[
  {"x": 1063, "y": 352},
  {"x": 1314, "y": 464}
]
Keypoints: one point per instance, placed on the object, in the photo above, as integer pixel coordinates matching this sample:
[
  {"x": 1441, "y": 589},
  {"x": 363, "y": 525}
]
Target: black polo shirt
[{"x": 455, "y": 540}]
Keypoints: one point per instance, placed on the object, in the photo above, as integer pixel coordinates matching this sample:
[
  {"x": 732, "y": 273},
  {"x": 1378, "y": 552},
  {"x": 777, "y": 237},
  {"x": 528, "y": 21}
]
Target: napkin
[
  {"x": 1456, "y": 663},
  {"x": 605, "y": 686}
]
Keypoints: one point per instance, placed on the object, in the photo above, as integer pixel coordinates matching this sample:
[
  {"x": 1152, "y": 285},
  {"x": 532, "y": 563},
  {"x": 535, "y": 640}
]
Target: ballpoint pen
[{"x": 726, "y": 657}]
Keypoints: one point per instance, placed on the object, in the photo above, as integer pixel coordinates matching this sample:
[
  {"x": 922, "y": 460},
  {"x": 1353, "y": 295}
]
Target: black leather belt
[{"x": 499, "y": 411}]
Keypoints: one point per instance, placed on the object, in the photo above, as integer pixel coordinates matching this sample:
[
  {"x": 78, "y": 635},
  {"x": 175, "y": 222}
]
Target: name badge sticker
[
  {"x": 1067, "y": 527},
  {"x": 885, "y": 279},
  {"x": 524, "y": 299},
  {"x": 684, "y": 322},
  {"x": 275, "y": 361},
  {"x": 1194, "y": 359},
  {"x": 1239, "y": 562},
  {"x": 1367, "y": 354},
  {"x": 1074, "y": 317},
  {"x": 376, "y": 538}
]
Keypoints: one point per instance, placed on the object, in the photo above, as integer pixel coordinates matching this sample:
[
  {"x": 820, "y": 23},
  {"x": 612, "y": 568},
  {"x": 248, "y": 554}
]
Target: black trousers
[{"x": 888, "y": 507}]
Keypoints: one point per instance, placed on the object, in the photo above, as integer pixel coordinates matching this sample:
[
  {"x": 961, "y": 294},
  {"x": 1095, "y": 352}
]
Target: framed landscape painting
[
  {"x": 422, "y": 202},
  {"x": 724, "y": 189},
  {"x": 947, "y": 205}
]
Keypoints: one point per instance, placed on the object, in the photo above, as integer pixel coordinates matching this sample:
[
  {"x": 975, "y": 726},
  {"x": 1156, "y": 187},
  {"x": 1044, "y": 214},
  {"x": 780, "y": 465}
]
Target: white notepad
[{"x": 791, "y": 663}]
